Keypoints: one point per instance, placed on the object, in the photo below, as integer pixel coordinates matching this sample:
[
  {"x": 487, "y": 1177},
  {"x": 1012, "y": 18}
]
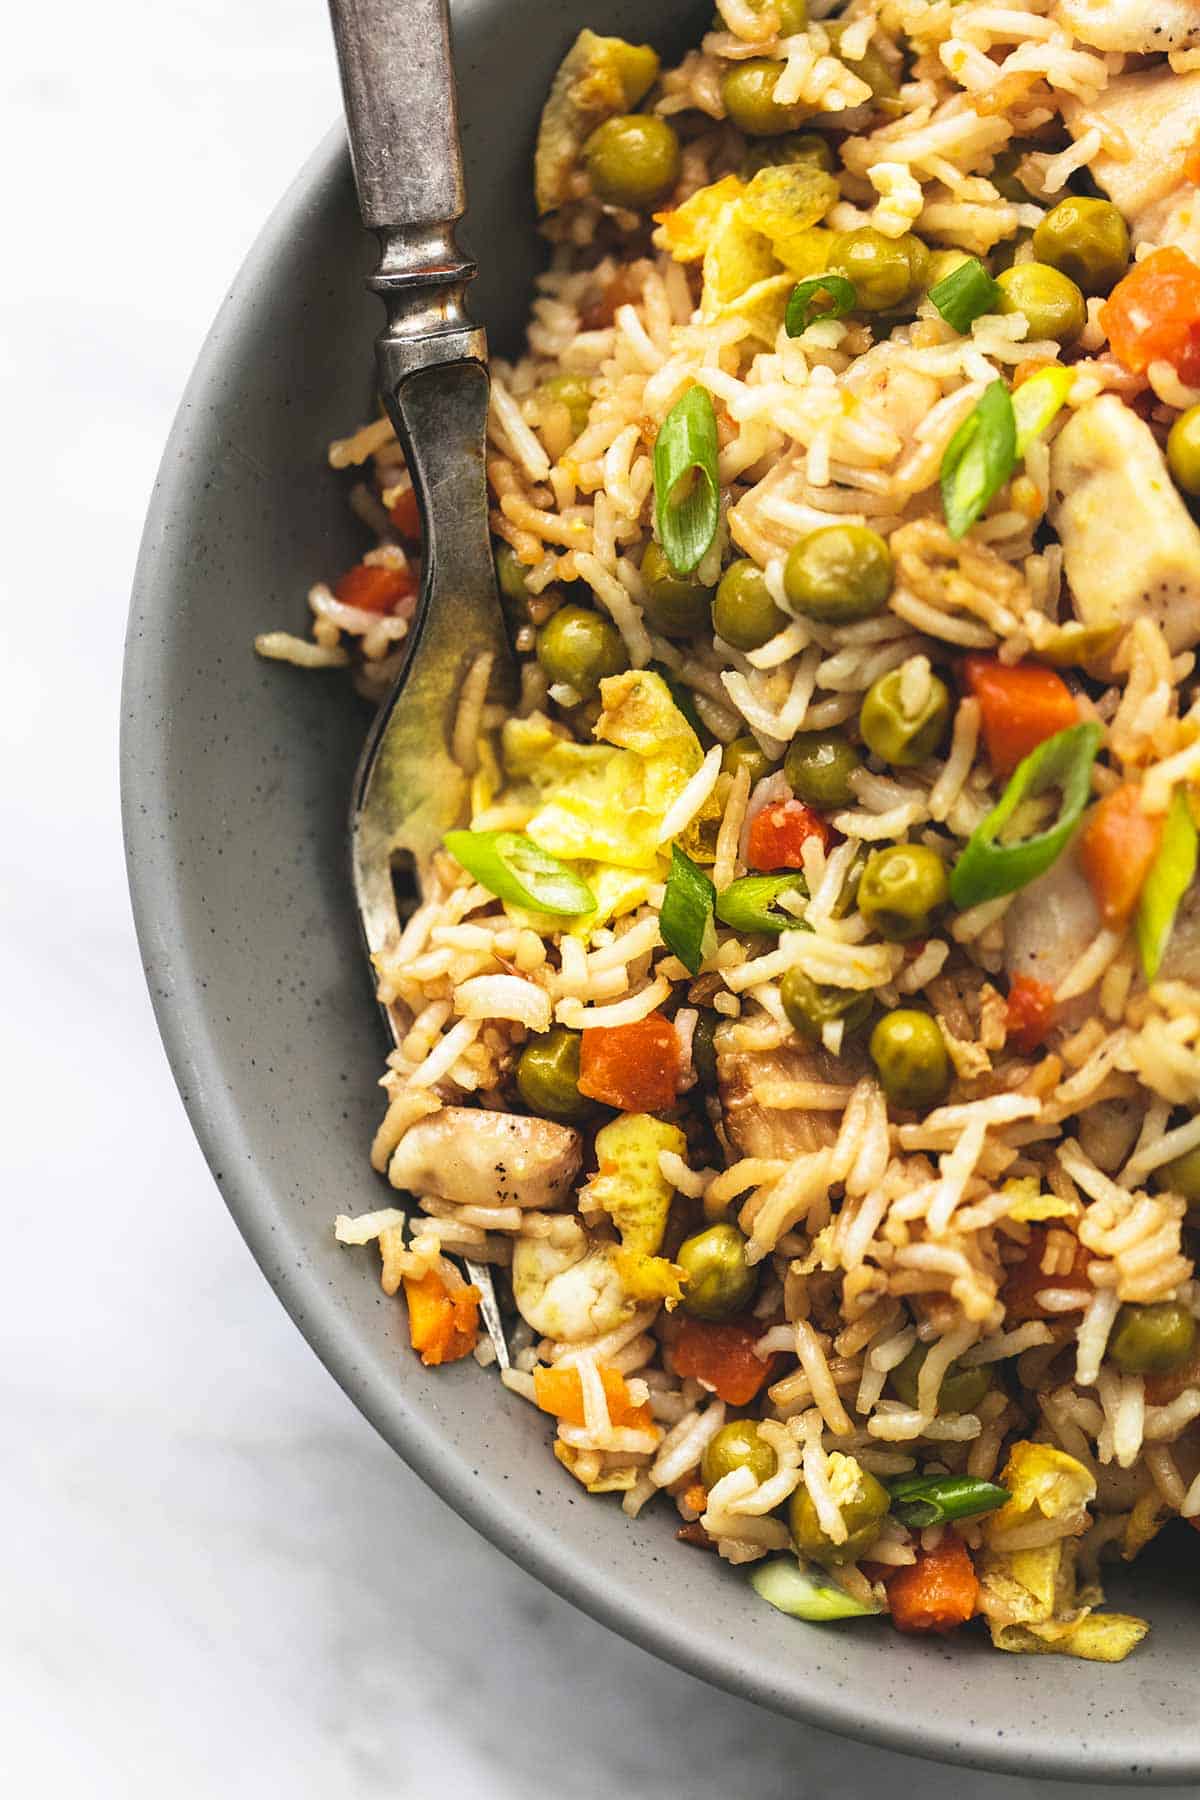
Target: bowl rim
[{"x": 155, "y": 878}]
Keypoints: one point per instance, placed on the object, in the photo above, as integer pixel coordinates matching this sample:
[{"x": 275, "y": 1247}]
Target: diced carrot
[
  {"x": 373, "y": 588},
  {"x": 696, "y": 1497},
  {"x": 560, "y": 1391},
  {"x": 634, "y": 1067},
  {"x": 1019, "y": 707},
  {"x": 722, "y": 1354},
  {"x": 779, "y": 833},
  {"x": 938, "y": 1592},
  {"x": 1027, "y": 1279},
  {"x": 1030, "y": 1013},
  {"x": 405, "y": 514},
  {"x": 1153, "y": 314},
  {"x": 442, "y": 1326},
  {"x": 1116, "y": 848},
  {"x": 694, "y": 1533}
]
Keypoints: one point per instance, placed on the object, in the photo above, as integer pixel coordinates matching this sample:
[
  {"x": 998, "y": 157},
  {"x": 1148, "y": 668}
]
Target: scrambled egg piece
[
  {"x": 1031, "y": 1598},
  {"x": 631, "y": 1188},
  {"x": 737, "y": 257},
  {"x": 684, "y": 232},
  {"x": 605, "y": 802},
  {"x": 1031, "y": 1206}
]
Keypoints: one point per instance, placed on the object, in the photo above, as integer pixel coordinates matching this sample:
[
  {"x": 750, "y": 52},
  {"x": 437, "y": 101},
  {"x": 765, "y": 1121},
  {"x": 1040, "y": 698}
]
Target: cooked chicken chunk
[
  {"x": 480, "y": 1158},
  {"x": 1130, "y": 546},
  {"x": 1158, "y": 112},
  {"x": 1051, "y": 923},
  {"x": 753, "y": 1087},
  {"x": 1139, "y": 27},
  {"x": 569, "y": 1290}
]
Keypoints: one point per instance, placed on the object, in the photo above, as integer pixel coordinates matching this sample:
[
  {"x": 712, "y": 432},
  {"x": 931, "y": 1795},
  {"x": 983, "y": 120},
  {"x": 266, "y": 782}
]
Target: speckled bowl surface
[{"x": 236, "y": 779}]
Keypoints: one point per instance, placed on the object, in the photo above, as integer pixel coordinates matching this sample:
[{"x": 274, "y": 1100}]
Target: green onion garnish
[
  {"x": 686, "y": 500},
  {"x": 686, "y": 916},
  {"x": 805, "y": 1593},
  {"x": 920, "y": 1500},
  {"x": 511, "y": 866},
  {"x": 986, "y": 869},
  {"x": 979, "y": 459},
  {"x": 1036, "y": 402},
  {"x": 966, "y": 294},
  {"x": 1170, "y": 877},
  {"x": 750, "y": 904},
  {"x": 801, "y": 308}
]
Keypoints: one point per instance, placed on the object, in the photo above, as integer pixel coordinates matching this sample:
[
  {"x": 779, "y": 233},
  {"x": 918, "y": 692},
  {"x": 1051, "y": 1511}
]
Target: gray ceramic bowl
[{"x": 236, "y": 781}]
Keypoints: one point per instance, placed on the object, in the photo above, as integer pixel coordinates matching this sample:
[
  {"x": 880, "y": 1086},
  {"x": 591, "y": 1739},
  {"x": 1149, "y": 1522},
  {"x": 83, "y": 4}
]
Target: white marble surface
[{"x": 207, "y": 1587}]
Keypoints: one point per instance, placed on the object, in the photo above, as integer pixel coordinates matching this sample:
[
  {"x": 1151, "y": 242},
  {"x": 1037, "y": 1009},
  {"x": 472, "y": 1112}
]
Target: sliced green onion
[
  {"x": 805, "y": 1593},
  {"x": 684, "y": 699},
  {"x": 1036, "y": 402},
  {"x": 751, "y": 903},
  {"x": 920, "y": 1500},
  {"x": 966, "y": 294},
  {"x": 511, "y": 866},
  {"x": 801, "y": 310},
  {"x": 986, "y": 869},
  {"x": 1170, "y": 877},
  {"x": 686, "y": 916},
  {"x": 979, "y": 459},
  {"x": 687, "y": 504}
]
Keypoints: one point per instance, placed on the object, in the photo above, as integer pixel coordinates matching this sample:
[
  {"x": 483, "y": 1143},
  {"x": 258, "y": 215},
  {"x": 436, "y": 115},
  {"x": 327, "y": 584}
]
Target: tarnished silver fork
[{"x": 398, "y": 85}]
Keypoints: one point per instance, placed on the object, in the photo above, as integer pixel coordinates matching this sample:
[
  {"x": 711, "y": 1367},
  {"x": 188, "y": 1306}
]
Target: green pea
[
  {"x": 1152, "y": 1340},
  {"x": 792, "y": 14},
  {"x": 899, "y": 732},
  {"x": 572, "y": 391},
  {"x": 704, "y": 1051},
  {"x": 744, "y": 613},
  {"x": 1086, "y": 239},
  {"x": 632, "y": 160},
  {"x": 580, "y": 648},
  {"x": 901, "y": 889},
  {"x": 910, "y": 1057},
  {"x": 943, "y": 263},
  {"x": 720, "y": 1282},
  {"x": 737, "y": 1446},
  {"x": 748, "y": 93},
  {"x": 794, "y": 147},
  {"x": 872, "y": 66},
  {"x": 838, "y": 574},
  {"x": 818, "y": 767},
  {"x": 1181, "y": 1176},
  {"x": 510, "y": 575},
  {"x": 864, "y": 1504},
  {"x": 548, "y": 1076},
  {"x": 961, "y": 1389},
  {"x": 746, "y": 753},
  {"x": 1052, "y": 304},
  {"x": 885, "y": 271},
  {"x": 1183, "y": 451},
  {"x": 1003, "y": 175},
  {"x": 676, "y": 606},
  {"x": 810, "y": 1008}
]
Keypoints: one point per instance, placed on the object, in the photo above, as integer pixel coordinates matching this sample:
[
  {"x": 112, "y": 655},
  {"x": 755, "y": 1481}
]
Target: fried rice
[{"x": 985, "y": 1275}]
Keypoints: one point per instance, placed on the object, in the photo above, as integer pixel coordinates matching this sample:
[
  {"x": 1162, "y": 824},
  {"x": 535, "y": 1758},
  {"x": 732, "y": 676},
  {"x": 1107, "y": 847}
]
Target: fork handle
[{"x": 402, "y": 120}]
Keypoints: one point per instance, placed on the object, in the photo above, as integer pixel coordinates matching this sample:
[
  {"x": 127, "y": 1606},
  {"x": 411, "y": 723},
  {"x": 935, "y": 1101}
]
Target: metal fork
[{"x": 398, "y": 85}]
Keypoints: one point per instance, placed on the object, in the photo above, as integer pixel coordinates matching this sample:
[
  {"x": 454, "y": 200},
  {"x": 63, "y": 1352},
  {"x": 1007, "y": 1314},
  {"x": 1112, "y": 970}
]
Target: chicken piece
[
  {"x": 569, "y": 1290},
  {"x": 1139, "y": 27},
  {"x": 1130, "y": 546},
  {"x": 1047, "y": 929},
  {"x": 757, "y": 1128},
  {"x": 479, "y": 1158},
  {"x": 1159, "y": 114}
]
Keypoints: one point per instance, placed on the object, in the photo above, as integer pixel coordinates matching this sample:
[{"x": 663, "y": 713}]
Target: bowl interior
[{"x": 237, "y": 775}]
